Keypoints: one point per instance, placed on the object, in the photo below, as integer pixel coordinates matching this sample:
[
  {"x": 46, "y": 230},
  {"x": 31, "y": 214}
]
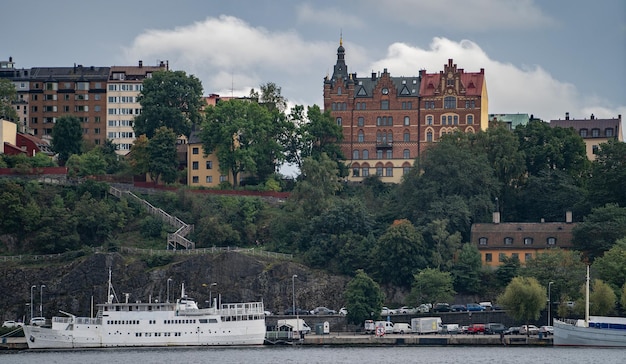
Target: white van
[
  {"x": 401, "y": 328},
  {"x": 383, "y": 327}
]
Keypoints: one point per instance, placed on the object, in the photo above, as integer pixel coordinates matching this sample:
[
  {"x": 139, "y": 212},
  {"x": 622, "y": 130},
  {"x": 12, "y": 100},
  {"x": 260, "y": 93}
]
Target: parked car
[
  {"x": 463, "y": 329},
  {"x": 386, "y": 311},
  {"x": 513, "y": 330},
  {"x": 343, "y": 311},
  {"x": 12, "y": 324},
  {"x": 529, "y": 329},
  {"x": 476, "y": 329},
  {"x": 406, "y": 310},
  {"x": 458, "y": 308},
  {"x": 494, "y": 328},
  {"x": 487, "y": 305},
  {"x": 298, "y": 311},
  {"x": 423, "y": 308},
  {"x": 497, "y": 307},
  {"x": 474, "y": 307},
  {"x": 323, "y": 311},
  {"x": 441, "y": 307},
  {"x": 401, "y": 328},
  {"x": 38, "y": 321},
  {"x": 546, "y": 330}
]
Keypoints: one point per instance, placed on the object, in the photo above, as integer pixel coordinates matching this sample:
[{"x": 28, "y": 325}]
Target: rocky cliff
[{"x": 73, "y": 285}]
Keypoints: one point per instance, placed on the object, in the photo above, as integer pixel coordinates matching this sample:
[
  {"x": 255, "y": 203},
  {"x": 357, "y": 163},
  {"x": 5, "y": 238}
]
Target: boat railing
[
  {"x": 248, "y": 308},
  {"x": 77, "y": 320}
]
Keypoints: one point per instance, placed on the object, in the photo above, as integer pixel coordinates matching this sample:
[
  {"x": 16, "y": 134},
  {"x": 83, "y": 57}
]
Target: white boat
[
  {"x": 598, "y": 331},
  {"x": 153, "y": 324}
]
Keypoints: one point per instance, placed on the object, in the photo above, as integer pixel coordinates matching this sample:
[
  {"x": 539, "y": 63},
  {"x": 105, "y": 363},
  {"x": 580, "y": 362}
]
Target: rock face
[{"x": 73, "y": 286}]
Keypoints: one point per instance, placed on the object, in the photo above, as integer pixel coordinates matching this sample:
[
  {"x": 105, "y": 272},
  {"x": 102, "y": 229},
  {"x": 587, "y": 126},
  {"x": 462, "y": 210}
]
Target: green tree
[
  {"x": 524, "y": 298},
  {"x": 163, "y": 162},
  {"x": 364, "y": 299},
  {"x": 56, "y": 232},
  {"x": 270, "y": 96},
  {"x": 431, "y": 286},
  {"x": 67, "y": 137},
  {"x": 319, "y": 183},
  {"x": 399, "y": 254},
  {"x": 8, "y": 95},
  {"x": 606, "y": 184},
  {"x": 170, "y": 99},
  {"x": 507, "y": 270},
  {"x": 466, "y": 270},
  {"x": 139, "y": 156},
  {"x": 611, "y": 267},
  {"x": 600, "y": 230},
  {"x": 563, "y": 267},
  {"x": 602, "y": 299},
  {"x": 242, "y": 134},
  {"x": 444, "y": 244}
]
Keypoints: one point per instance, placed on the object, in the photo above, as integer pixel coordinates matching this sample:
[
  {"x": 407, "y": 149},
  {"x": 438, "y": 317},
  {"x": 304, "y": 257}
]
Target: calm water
[{"x": 324, "y": 355}]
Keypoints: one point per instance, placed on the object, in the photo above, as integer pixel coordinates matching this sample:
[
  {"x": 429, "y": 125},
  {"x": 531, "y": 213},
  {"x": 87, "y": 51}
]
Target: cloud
[
  {"x": 334, "y": 17},
  {"x": 466, "y": 15}
]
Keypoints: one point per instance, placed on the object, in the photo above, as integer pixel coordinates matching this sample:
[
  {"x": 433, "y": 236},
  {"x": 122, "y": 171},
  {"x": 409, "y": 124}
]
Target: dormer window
[
  {"x": 551, "y": 241},
  {"x": 528, "y": 241},
  {"x": 508, "y": 241},
  {"x": 482, "y": 241}
]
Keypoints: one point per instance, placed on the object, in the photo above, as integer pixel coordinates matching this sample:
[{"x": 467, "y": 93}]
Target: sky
[{"x": 543, "y": 58}]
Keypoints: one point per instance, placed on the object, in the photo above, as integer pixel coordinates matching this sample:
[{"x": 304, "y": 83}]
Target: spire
[{"x": 341, "y": 70}]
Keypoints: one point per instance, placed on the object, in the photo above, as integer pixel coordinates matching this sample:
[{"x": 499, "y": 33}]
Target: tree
[
  {"x": 364, "y": 299},
  {"x": 139, "y": 157},
  {"x": 169, "y": 99},
  {"x": 602, "y": 299},
  {"x": 319, "y": 183},
  {"x": 399, "y": 254},
  {"x": 163, "y": 162},
  {"x": 507, "y": 270},
  {"x": 606, "y": 184},
  {"x": 562, "y": 267},
  {"x": 431, "y": 286},
  {"x": 524, "y": 298},
  {"x": 600, "y": 230},
  {"x": 611, "y": 267},
  {"x": 67, "y": 137},
  {"x": 8, "y": 95},
  {"x": 444, "y": 244},
  {"x": 270, "y": 97},
  {"x": 466, "y": 270},
  {"x": 242, "y": 134}
]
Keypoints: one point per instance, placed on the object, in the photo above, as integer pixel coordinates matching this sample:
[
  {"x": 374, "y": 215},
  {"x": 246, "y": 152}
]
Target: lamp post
[
  {"x": 41, "y": 300},
  {"x": 549, "y": 301},
  {"x": 168, "y": 289},
  {"x": 31, "y": 300},
  {"x": 214, "y": 284}
]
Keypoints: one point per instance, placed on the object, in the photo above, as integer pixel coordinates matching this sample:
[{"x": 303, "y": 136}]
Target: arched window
[
  {"x": 429, "y": 120},
  {"x": 361, "y": 121},
  {"x": 407, "y": 120},
  {"x": 406, "y": 154},
  {"x": 361, "y": 136},
  {"x": 429, "y": 136},
  {"x": 470, "y": 119},
  {"x": 366, "y": 154},
  {"x": 407, "y": 136},
  {"x": 355, "y": 154}
]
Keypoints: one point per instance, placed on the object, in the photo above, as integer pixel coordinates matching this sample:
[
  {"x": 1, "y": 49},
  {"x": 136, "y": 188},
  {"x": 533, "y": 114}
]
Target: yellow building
[
  {"x": 203, "y": 171},
  {"x": 523, "y": 240},
  {"x": 593, "y": 131}
]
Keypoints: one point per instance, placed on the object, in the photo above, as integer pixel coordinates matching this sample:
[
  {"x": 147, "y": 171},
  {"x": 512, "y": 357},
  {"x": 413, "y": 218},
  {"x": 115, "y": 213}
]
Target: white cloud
[{"x": 467, "y": 15}]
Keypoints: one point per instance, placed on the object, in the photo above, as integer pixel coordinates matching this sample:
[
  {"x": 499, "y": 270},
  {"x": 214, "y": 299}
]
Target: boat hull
[{"x": 566, "y": 334}]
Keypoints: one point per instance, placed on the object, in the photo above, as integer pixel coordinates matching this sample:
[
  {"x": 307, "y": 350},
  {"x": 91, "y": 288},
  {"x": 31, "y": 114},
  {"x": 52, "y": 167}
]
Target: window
[
  {"x": 595, "y": 133},
  {"x": 407, "y": 120},
  {"x": 515, "y": 255},
  {"x": 594, "y": 149},
  {"x": 389, "y": 154},
  {"x": 366, "y": 154},
  {"x": 488, "y": 257},
  {"x": 338, "y": 90},
  {"x": 407, "y": 136},
  {"x": 429, "y": 136},
  {"x": 339, "y": 122},
  {"x": 96, "y": 131},
  {"x": 470, "y": 119},
  {"x": 449, "y": 119},
  {"x": 194, "y": 165},
  {"x": 389, "y": 171},
  {"x": 355, "y": 154},
  {"x": 583, "y": 133},
  {"x": 443, "y": 120},
  {"x": 528, "y": 257},
  {"x": 450, "y": 82},
  {"x": 551, "y": 241},
  {"x": 429, "y": 120},
  {"x": 406, "y": 170},
  {"x": 384, "y": 105},
  {"x": 195, "y": 179},
  {"x": 355, "y": 172},
  {"x": 508, "y": 241},
  {"x": 528, "y": 241},
  {"x": 209, "y": 164},
  {"x": 608, "y": 132},
  {"x": 379, "y": 154},
  {"x": 366, "y": 171},
  {"x": 406, "y": 154},
  {"x": 361, "y": 136},
  {"x": 449, "y": 102},
  {"x": 482, "y": 241},
  {"x": 379, "y": 171},
  {"x": 223, "y": 178},
  {"x": 195, "y": 150},
  {"x": 456, "y": 120},
  {"x": 501, "y": 257},
  {"x": 361, "y": 121}
]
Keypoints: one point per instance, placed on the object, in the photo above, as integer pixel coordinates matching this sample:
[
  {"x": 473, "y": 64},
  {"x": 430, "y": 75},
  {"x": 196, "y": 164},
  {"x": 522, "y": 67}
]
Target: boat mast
[{"x": 587, "y": 299}]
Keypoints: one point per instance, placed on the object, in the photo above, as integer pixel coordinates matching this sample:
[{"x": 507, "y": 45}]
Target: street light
[
  {"x": 549, "y": 301},
  {"x": 293, "y": 289},
  {"x": 168, "y": 289},
  {"x": 31, "y": 300},
  {"x": 41, "y": 300}
]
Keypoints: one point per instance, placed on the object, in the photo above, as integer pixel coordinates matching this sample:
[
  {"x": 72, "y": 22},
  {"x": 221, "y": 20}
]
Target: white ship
[
  {"x": 153, "y": 325},
  {"x": 600, "y": 331}
]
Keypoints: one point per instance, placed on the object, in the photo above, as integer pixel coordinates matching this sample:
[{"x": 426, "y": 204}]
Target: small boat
[
  {"x": 153, "y": 324},
  {"x": 598, "y": 331}
]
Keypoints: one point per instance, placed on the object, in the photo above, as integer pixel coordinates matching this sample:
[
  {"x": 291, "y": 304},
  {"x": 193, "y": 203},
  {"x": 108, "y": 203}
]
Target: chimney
[
  {"x": 140, "y": 63},
  {"x": 568, "y": 217},
  {"x": 496, "y": 217},
  {"x": 592, "y": 117},
  {"x": 567, "y": 116},
  {"x": 373, "y": 76}
]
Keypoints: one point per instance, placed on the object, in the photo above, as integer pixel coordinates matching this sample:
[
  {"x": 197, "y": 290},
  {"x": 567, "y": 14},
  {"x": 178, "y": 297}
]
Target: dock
[{"x": 348, "y": 339}]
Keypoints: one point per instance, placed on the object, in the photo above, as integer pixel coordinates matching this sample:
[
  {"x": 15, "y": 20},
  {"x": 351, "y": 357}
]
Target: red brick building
[{"x": 388, "y": 121}]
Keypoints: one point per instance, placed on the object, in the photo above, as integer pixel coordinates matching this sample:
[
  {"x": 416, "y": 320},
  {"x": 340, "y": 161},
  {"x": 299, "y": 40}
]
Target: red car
[{"x": 476, "y": 329}]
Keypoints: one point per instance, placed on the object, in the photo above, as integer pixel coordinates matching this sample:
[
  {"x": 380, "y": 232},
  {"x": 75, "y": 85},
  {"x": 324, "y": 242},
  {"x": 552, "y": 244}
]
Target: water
[{"x": 323, "y": 355}]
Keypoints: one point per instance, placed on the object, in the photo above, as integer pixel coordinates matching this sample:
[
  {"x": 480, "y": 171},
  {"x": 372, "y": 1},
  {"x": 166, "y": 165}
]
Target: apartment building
[
  {"x": 594, "y": 131},
  {"x": 125, "y": 83},
  {"x": 19, "y": 79},
  {"x": 388, "y": 121}
]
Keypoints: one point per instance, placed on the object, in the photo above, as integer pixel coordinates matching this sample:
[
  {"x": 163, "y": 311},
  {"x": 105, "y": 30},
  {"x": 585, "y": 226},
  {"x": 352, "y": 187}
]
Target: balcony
[{"x": 384, "y": 144}]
